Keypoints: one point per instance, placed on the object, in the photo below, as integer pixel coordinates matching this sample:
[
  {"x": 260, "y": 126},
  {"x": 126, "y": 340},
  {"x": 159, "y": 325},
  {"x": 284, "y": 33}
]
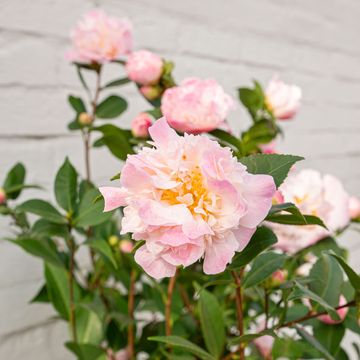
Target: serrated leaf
[
  {"x": 65, "y": 186},
  {"x": 275, "y": 165},
  {"x": 260, "y": 241},
  {"x": 212, "y": 323},
  {"x": 42, "y": 209},
  {"x": 177, "y": 341}
]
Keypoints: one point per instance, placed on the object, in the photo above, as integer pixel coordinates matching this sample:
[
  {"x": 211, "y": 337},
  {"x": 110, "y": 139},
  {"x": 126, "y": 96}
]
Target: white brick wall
[{"x": 310, "y": 43}]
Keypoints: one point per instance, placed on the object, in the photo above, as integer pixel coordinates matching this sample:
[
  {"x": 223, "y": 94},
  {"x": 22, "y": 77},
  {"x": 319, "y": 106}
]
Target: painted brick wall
[{"x": 310, "y": 43}]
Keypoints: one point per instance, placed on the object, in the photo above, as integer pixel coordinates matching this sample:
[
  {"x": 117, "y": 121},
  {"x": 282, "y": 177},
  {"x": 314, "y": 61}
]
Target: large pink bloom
[
  {"x": 144, "y": 67},
  {"x": 188, "y": 198},
  {"x": 196, "y": 105},
  {"x": 314, "y": 194},
  {"x": 99, "y": 38},
  {"x": 282, "y": 100}
]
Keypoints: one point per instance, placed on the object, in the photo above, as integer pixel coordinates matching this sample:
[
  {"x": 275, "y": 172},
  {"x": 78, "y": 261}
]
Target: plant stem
[
  {"x": 170, "y": 291},
  {"x": 239, "y": 309},
  {"x": 71, "y": 289},
  {"x": 131, "y": 305},
  {"x": 266, "y": 307},
  {"x": 311, "y": 316}
]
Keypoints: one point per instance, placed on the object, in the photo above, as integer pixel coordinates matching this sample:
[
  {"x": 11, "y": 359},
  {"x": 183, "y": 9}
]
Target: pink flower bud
[
  {"x": 85, "y": 118},
  {"x": 278, "y": 277},
  {"x": 150, "y": 92},
  {"x": 144, "y": 67},
  {"x": 354, "y": 207},
  {"x": 282, "y": 100},
  {"x": 268, "y": 148},
  {"x": 140, "y": 125},
  {"x": 126, "y": 246},
  {"x": 341, "y": 312},
  {"x": 2, "y": 196}
]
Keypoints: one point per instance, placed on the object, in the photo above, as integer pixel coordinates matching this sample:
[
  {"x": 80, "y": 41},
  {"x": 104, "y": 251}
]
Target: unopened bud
[
  {"x": 113, "y": 240},
  {"x": 278, "y": 277},
  {"x": 85, "y": 119},
  {"x": 151, "y": 92},
  {"x": 2, "y": 196},
  {"x": 126, "y": 246}
]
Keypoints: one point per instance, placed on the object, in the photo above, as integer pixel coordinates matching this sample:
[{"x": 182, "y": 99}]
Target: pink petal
[
  {"x": 196, "y": 228},
  {"x": 162, "y": 134},
  {"x": 243, "y": 236},
  {"x": 258, "y": 192},
  {"x": 154, "y": 265},
  {"x": 113, "y": 197},
  {"x": 184, "y": 255}
]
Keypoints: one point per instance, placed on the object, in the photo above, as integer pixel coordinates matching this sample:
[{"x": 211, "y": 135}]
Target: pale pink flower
[
  {"x": 2, "y": 196},
  {"x": 341, "y": 312},
  {"x": 314, "y": 194},
  {"x": 140, "y": 125},
  {"x": 269, "y": 148},
  {"x": 196, "y": 105},
  {"x": 354, "y": 207},
  {"x": 120, "y": 355},
  {"x": 265, "y": 344},
  {"x": 126, "y": 246},
  {"x": 189, "y": 199},
  {"x": 144, "y": 67},
  {"x": 282, "y": 100},
  {"x": 99, "y": 38}
]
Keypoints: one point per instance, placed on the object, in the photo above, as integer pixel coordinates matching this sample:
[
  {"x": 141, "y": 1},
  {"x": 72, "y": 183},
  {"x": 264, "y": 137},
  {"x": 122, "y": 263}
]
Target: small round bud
[
  {"x": 126, "y": 246},
  {"x": 278, "y": 277},
  {"x": 85, "y": 119},
  {"x": 150, "y": 92},
  {"x": 140, "y": 125},
  {"x": 113, "y": 240},
  {"x": 2, "y": 196}
]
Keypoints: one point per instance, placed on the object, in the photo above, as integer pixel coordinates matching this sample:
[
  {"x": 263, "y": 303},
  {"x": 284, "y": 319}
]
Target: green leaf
[
  {"x": 86, "y": 351},
  {"x": 18, "y": 188},
  {"x": 89, "y": 327},
  {"x": 45, "y": 228},
  {"x": 118, "y": 82},
  {"x": 260, "y": 241},
  {"x": 296, "y": 220},
  {"x": 77, "y": 104},
  {"x": 275, "y": 165},
  {"x": 102, "y": 247},
  {"x": 57, "y": 285},
  {"x": 250, "y": 337},
  {"x": 264, "y": 265},
  {"x": 42, "y": 248},
  {"x": 15, "y": 177},
  {"x": 353, "y": 277},
  {"x": 74, "y": 125},
  {"x": 252, "y": 99},
  {"x": 286, "y": 207},
  {"x": 313, "y": 342},
  {"x": 228, "y": 138},
  {"x": 43, "y": 209},
  {"x": 329, "y": 336},
  {"x": 90, "y": 213},
  {"x": 301, "y": 291},
  {"x": 177, "y": 341},
  {"x": 327, "y": 279},
  {"x": 42, "y": 296},
  {"x": 212, "y": 323},
  {"x": 111, "y": 107},
  {"x": 66, "y": 186}
]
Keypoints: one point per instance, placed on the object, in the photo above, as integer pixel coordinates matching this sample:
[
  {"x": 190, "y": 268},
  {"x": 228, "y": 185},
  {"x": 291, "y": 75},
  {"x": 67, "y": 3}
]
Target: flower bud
[
  {"x": 2, "y": 196},
  {"x": 150, "y": 92},
  {"x": 113, "y": 240},
  {"x": 278, "y": 277},
  {"x": 140, "y": 125},
  {"x": 85, "y": 119},
  {"x": 126, "y": 246},
  {"x": 341, "y": 312},
  {"x": 354, "y": 207}
]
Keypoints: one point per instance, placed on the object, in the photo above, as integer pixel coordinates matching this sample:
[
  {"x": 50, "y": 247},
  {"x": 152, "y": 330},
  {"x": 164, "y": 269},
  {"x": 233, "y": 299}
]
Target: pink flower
[
  {"x": 120, "y": 355},
  {"x": 126, "y": 246},
  {"x": 322, "y": 196},
  {"x": 99, "y": 38},
  {"x": 140, "y": 125},
  {"x": 189, "y": 199},
  {"x": 2, "y": 196},
  {"x": 144, "y": 67},
  {"x": 269, "y": 148},
  {"x": 196, "y": 105},
  {"x": 264, "y": 344},
  {"x": 354, "y": 207},
  {"x": 282, "y": 100},
  {"x": 341, "y": 312}
]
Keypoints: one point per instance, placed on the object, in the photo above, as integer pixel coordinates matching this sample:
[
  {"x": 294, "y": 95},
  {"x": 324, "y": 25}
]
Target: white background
[{"x": 310, "y": 43}]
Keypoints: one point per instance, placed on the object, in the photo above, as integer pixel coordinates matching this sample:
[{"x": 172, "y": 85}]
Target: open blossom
[
  {"x": 314, "y": 194},
  {"x": 140, "y": 125},
  {"x": 144, "y": 67},
  {"x": 196, "y": 105},
  {"x": 341, "y": 312},
  {"x": 282, "y": 100},
  {"x": 189, "y": 199},
  {"x": 354, "y": 207},
  {"x": 99, "y": 38}
]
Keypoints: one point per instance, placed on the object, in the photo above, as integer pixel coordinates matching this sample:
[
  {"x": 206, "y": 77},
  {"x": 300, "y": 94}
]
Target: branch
[
  {"x": 71, "y": 289},
  {"x": 131, "y": 304},
  {"x": 170, "y": 291}
]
